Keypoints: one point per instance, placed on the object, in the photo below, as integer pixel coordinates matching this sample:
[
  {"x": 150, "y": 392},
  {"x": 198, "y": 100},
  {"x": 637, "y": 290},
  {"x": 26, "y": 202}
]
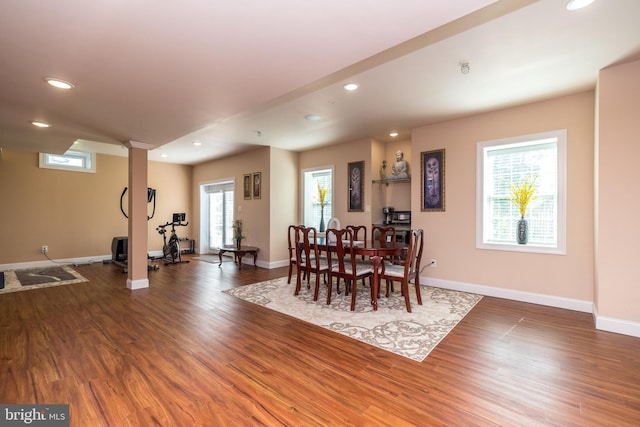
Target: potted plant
[
  {"x": 522, "y": 195},
  {"x": 237, "y": 232}
]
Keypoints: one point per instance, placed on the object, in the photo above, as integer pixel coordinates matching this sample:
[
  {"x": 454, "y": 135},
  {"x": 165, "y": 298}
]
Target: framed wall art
[
  {"x": 247, "y": 186},
  {"x": 356, "y": 186},
  {"x": 257, "y": 185},
  {"x": 432, "y": 171}
]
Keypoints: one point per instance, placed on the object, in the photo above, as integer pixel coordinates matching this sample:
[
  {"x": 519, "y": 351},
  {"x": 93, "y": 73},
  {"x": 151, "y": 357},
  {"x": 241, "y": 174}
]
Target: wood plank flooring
[{"x": 182, "y": 353}]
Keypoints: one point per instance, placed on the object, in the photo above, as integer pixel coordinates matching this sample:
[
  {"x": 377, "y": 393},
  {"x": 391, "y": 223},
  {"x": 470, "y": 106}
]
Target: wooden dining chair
[
  {"x": 384, "y": 234},
  {"x": 408, "y": 270},
  {"x": 291, "y": 238},
  {"x": 309, "y": 258},
  {"x": 345, "y": 265},
  {"x": 357, "y": 229}
]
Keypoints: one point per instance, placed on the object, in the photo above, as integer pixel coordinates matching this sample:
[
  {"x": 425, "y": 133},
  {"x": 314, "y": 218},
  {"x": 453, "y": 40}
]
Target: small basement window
[{"x": 72, "y": 160}]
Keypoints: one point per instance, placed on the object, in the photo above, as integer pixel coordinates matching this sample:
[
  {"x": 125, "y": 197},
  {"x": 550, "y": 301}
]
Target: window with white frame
[
  {"x": 540, "y": 158},
  {"x": 72, "y": 160},
  {"x": 311, "y": 212}
]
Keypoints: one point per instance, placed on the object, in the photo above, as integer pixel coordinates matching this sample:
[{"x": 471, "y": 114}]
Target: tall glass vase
[
  {"x": 522, "y": 231},
  {"x": 322, "y": 220}
]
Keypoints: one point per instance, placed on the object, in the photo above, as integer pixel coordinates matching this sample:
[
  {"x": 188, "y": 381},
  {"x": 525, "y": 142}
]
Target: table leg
[
  {"x": 220, "y": 252},
  {"x": 255, "y": 256},
  {"x": 374, "y": 297}
]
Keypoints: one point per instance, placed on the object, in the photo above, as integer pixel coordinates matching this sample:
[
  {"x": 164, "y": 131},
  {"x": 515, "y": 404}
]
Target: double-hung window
[{"x": 501, "y": 164}]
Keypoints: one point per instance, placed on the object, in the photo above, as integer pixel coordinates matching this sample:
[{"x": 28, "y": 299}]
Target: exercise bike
[{"x": 171, "y": 253}]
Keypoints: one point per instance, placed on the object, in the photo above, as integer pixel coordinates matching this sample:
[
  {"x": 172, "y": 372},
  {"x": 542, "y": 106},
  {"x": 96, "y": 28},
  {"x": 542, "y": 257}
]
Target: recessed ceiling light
[
  {"x": 164, "y": 155},
  {"x": 350, "y": 86},
  {"x": 40, "y": 124},
  {"x": 312, "y": 117},
  {"x": 578, "y": 4},
  {"x": 393, "y": 134},
  {"x": 60, "y": 84},
  {"x": 197, "y": 143}
]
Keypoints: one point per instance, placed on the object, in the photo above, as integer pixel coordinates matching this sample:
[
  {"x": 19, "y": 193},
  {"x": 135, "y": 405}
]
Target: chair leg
[
  {"x": 298, "y": 282},
  {"x": 290, "y": 271},
  {"x": 317, "y": 290},
  {"x": 418, "y": 296},
  {"x": 354, "y": 283},
  {"x": 329, "y": 290},
  {"x": 405, "y": 291}
]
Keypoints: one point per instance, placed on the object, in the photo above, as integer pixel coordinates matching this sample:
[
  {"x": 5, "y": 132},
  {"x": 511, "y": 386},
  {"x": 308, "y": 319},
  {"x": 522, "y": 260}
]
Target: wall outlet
[
  {"x": 434, "y": 263},
  {"x": 45, "y": 249}
]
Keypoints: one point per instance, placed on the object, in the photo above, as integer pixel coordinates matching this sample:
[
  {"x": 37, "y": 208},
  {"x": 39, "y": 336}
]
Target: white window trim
[
  {"x": 303, "y": 172},
  {"x": 561, "y": 248},
  {"x": 90, "y": 161}
]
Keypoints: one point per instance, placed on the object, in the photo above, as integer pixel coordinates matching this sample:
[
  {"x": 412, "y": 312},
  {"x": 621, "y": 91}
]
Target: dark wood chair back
[
  {"x": 408, "y": 270},
  {"x": 309, "y": 258},
  {"x": 343, "y": 263},
  {"x": 384, "y": 234},
  {"x": 359, "y": 231}
]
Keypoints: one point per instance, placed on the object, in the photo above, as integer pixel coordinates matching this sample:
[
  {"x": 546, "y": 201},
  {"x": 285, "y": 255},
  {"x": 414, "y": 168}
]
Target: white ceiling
[{"x": 235, "y": 74}]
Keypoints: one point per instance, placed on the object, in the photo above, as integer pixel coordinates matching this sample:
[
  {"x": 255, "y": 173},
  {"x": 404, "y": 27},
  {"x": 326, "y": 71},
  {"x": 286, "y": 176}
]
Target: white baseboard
[
  {"x": 618, "y": 326},
  {"x": 49, "y": 263},
  {"x": 137, "y": 284},
  {"x": 608, "y": 324}
]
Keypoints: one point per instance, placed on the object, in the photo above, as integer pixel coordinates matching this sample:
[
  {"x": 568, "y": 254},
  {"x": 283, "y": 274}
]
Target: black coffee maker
[{"x": 387, "y": 213}]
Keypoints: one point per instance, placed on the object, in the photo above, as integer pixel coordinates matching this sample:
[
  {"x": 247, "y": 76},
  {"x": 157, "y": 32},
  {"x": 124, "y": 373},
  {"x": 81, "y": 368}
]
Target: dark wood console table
[{"x": 238, "y": 254}]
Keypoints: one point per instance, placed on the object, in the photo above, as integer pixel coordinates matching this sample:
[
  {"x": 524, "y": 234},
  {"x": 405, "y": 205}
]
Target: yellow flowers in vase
[
  {"x": 322, "y": 195},
  {"x": 522, "y": 195},
  {"x": 322, "y": 199}
]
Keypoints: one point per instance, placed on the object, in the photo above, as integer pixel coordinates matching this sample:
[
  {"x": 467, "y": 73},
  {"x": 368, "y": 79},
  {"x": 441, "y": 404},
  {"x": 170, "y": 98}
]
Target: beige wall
[
  {"x": 618, "y": 198},
  {"x": 339, "y": 156},
  {"x": 77, "y": 214},
  {"x": 450, "y": 235},
  {"x": 283, "y": 208},
  {"x": 255, "y": 213}
]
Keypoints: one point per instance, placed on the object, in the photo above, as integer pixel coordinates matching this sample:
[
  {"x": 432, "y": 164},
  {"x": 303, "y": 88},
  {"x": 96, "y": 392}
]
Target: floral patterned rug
[{"x": 412, "y": 335}]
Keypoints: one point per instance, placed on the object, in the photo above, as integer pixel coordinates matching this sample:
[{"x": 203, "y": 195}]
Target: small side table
[{"x": 238, "y": 254}]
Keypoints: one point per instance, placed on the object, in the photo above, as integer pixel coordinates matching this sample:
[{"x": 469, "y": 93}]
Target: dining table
[{"x": 376, "y": 251}]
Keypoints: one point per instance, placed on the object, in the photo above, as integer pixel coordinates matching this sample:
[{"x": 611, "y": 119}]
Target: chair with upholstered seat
[
  {"x": 309, "y": 258},
  {"x": 359, "y": 232},
  {"x": 384, "y": 234},
  {"x": 291, "y": 237},
  {"x": 345, "y": 265},
  {"x": 408, "y": 270}
]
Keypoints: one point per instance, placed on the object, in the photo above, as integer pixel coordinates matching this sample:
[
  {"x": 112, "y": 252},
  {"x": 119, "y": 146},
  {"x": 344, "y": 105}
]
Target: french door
[{"x": 217, "y": 215}]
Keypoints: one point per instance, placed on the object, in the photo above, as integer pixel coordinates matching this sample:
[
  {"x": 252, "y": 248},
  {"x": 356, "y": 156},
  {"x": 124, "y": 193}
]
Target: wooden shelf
[{"x": 387, "y": 181}]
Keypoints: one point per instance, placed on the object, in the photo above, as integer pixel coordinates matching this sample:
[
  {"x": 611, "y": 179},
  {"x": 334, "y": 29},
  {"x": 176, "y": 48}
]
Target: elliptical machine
[
  {"x": 171, "y": 252},
  {"x": 119, "y": 245}
]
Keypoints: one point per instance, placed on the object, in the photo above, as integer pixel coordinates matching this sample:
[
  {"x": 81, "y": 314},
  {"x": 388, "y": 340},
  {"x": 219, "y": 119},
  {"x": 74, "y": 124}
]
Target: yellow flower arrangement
[
  {"x": 322, "y": 195},
  {"x": 522, "y": 194}
]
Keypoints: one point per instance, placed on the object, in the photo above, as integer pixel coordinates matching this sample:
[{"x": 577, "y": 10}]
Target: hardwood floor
[{"x": 182, "y": 353}]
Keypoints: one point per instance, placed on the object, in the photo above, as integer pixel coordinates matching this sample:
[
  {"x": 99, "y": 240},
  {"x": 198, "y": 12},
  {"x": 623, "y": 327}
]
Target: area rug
[
  {"x": 391, "y": 327},
  {"x": 41, "y": 277}
]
